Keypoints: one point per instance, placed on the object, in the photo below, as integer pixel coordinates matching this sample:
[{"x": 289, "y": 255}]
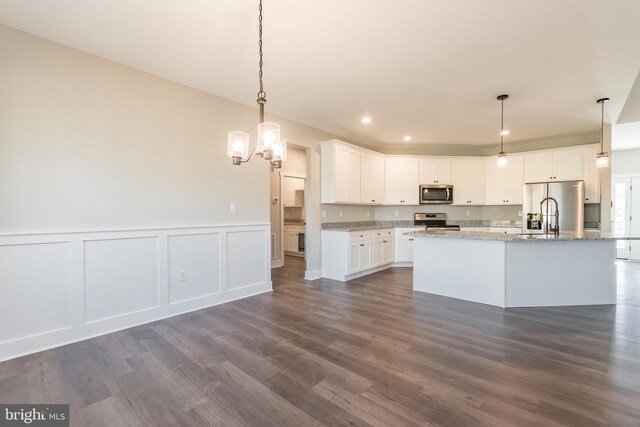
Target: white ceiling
[{"x": 429, "y": 68}]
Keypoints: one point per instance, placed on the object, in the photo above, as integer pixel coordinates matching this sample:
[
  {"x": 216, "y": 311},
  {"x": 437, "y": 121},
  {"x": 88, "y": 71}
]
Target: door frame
[{"x": 624, "y": 252}]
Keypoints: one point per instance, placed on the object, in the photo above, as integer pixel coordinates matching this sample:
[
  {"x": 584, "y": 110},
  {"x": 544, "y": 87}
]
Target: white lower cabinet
[
  {"x": 382, "y": 251},
  {"x": 347, "y": 255},
  {"x": 404, "y": 245},
  {"x": 359, "y": 256}
]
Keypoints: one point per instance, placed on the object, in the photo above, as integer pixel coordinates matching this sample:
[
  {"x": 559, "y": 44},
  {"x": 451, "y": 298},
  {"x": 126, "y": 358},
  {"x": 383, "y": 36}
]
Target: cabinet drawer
[
  {"x": 377, "y": 234},
  {"x": 358, "y": 236}
]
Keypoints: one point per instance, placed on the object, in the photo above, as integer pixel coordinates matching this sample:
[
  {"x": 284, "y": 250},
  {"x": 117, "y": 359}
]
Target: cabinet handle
[
  {"x": 361, "y": 244},
  {"x": 411, "y": 240},
  {"x": 384, "y": 241}
]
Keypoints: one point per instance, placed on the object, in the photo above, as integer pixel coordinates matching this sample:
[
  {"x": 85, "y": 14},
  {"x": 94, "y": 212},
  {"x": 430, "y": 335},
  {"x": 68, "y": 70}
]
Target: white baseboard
[{"x": 312, "y": 274}]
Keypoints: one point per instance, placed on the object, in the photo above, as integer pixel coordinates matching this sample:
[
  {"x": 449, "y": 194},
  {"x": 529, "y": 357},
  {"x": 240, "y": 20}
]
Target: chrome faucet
[{"x": 556, "y": 229}]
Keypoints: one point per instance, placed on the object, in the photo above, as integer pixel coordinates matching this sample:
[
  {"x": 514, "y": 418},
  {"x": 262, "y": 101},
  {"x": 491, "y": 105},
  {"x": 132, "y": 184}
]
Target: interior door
[
  {"x": 635, "y": 219},
  {"x": 621, "y": 212}
]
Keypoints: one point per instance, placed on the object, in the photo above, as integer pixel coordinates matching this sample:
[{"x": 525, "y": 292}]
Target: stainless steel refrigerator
[{"x": 570, "y": 197}]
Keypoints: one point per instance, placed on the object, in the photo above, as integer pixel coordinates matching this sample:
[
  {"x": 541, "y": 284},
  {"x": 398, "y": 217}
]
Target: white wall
[{"x": 625, "y": 162}]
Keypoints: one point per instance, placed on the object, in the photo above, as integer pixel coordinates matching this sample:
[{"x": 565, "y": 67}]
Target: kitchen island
[{"x": 517, "y": 270}]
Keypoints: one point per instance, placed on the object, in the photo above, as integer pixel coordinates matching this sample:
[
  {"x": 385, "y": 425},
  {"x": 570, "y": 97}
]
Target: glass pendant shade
[
  {"x": 238, "y": 144},
  {"x": 280, "y": 150},
  {"x": 268, "y": 135},
  {"x": 502, "y": 160},
  {"x": 602, "y": 160}
]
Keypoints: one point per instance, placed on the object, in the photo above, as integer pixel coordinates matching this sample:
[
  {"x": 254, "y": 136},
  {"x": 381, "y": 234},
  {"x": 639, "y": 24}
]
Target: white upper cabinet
[
  {"x": 339, "y": 173},
  {"x": 401, "y": 180},
  {"x": 436, "y": 170},
  {"x": 468, "y": 181},
  {"x": 563, "y": 164},
  {"x": 590, "y": 174},
  {"x": 350, "y": 174},
  {"x": 292, "y": 192},
  {"x": 504, "y": 185},
  {"x": 371, "y": 179}
]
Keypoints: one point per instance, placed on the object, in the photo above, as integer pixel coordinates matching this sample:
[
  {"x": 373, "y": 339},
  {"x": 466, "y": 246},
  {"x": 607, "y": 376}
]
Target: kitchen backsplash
[{"x": 455, "y": 214}]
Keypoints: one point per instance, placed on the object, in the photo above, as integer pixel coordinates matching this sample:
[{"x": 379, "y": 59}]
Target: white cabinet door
[
  {"x": 468, "y": 181},
  {"x": 371, "y": 179},
  {"x": 401, "y": 181},
  {"x": 590, "y": 174},
  {"x": 382, "y": 251},
  {"x": 340, "y": 173},
  {"x": 359, "y": 256},
  {"x": 347, "y": 175},
  {"x": 504, "y": 185},
  {"x": 292, "y": 192},
  {"x": 435, "y": 170},
  {"x": 377, "y": 255},
  {"x": 387, "y": 251},
  {"x": 567, "y": 164},
  {"x": 538, "y": 167},
  {"x": 291, "y": 241},
  {"x": 496, "y": 179},
  {"x": 514, "y": 179},
  {"x": 404, "y": 249},
  {"x": 355, "y": 264}
]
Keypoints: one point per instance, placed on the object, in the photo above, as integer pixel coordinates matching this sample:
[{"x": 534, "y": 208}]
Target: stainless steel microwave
[{"x": 438, "y": 194}]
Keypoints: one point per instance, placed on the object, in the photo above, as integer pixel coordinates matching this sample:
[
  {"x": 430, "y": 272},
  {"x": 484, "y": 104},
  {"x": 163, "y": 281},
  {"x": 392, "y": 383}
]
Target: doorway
[
  {"x": 625, "y": 214},
  {"x": 288, "y": 209}
]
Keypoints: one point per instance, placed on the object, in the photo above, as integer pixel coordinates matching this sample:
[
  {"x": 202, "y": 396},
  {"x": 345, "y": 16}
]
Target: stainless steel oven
[{"x": 438, "y": 194}]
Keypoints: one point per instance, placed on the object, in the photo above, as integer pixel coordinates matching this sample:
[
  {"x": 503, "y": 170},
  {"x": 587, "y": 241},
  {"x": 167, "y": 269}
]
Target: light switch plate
[
  {"x": 324, "y": 213},
  {"x": 232, "y": 207}
]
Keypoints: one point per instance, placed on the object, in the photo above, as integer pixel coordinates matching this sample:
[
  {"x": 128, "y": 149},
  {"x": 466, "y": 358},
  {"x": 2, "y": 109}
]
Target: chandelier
[{"x": 270, "y": 145}]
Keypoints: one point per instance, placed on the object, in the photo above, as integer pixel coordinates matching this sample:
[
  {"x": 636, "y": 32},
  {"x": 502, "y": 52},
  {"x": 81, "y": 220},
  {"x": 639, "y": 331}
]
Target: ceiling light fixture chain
[
  {"x": 502, "y": 155},
  {"x": 602, "y": 158},
  {"x": 262, "y": 95}
]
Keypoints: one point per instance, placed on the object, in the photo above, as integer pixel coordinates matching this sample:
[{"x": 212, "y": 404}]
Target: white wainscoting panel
[
  {"x": 244, "y": 248},
  {"x": 57, "y": 288},
  {"x": 198, "y": 257},
  {"x": 35, "y": 290},
  {"x": 120, "y": 277}
]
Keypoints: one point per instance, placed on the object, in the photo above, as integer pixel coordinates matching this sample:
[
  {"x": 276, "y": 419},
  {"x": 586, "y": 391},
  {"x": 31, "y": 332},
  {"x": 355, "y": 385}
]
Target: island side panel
[
  {"x": 467, "y": 269},
  {"x": 553, "y": 273}
]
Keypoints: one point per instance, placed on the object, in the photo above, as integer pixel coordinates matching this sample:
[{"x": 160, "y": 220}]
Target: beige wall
[
  {"x": 89, "y": 144},
  {"x": 296, "y": 161}
]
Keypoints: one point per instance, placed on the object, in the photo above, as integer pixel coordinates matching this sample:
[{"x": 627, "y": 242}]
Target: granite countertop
[
  {"x": 367, "y": 225},
  {"x": 488, "y": 235}
]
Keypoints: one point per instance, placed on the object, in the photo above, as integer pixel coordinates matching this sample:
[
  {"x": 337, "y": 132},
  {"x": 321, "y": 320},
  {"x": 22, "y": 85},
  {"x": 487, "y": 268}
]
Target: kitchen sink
[{"x": 536, "y": 236}]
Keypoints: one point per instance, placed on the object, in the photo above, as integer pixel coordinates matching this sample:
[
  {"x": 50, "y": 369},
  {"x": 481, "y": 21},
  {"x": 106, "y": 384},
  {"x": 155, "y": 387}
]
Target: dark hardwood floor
[{"x": 370, "y": 352}]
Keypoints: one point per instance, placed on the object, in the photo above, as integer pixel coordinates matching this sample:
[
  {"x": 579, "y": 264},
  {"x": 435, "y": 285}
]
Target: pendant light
[
  {"x": 502, "y": 155},
  {"x": 602, "y": 158},
  {"x": 270, "y": 145}
]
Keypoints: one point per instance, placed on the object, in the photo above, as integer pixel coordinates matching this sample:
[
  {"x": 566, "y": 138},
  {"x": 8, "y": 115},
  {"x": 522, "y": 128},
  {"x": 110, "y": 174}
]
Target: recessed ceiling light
[
  {"x": 504, "y": 132},
  {"x": 366, "y": 120},
  {"x": 407, "y": 138}
]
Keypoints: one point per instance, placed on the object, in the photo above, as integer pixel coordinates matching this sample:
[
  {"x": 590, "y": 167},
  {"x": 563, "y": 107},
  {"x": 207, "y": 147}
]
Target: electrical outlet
[
  {"x": 396, "y": 213},
  {"x": 468, "y": 213},
  {"x": 368, "y": 212},
  {"x": 324, "y": 213},
  {"x": 182, "y": 276},
  {"x": 519, "y": 213},
  {"x": 340, "y": 214},
  {"x": 232, "y": 207}
]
